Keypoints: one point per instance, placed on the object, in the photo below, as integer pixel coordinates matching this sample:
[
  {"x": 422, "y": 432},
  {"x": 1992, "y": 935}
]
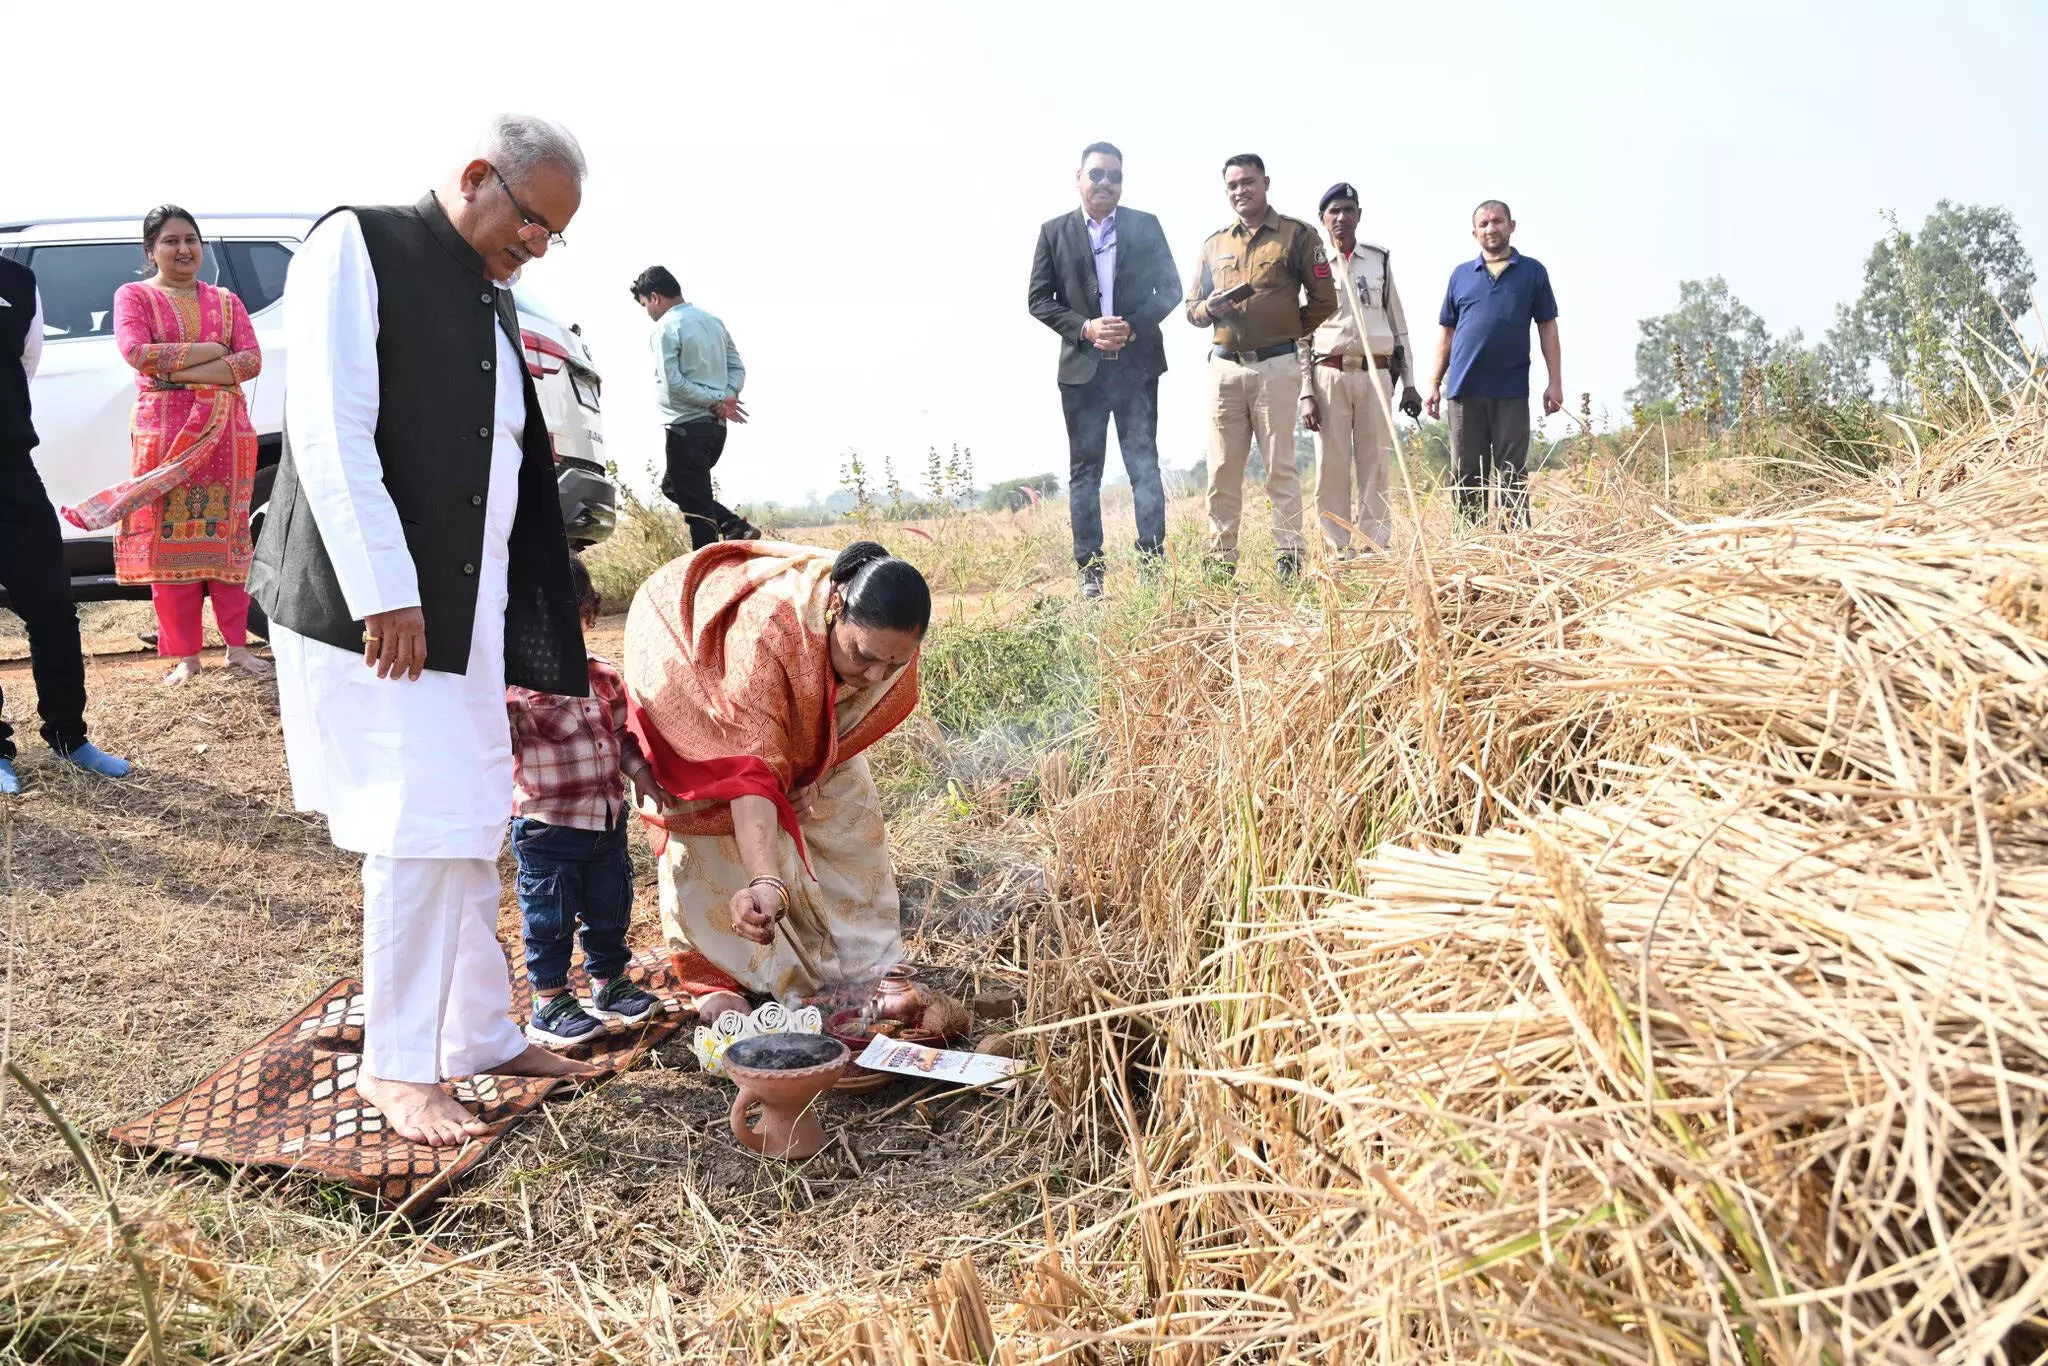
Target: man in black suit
[
  {"x": 1102, "y": 278},
  {"x": 32, "y": 550}
]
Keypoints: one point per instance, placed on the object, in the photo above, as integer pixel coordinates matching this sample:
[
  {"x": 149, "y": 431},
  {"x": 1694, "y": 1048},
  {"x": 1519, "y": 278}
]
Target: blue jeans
[{"x": 566, "y": 876}]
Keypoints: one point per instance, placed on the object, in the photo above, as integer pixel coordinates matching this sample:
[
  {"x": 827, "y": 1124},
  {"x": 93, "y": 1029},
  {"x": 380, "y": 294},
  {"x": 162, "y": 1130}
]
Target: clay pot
[
  {"x": 847, "y": 1027},
  {"x": 786, "y": 1073}
]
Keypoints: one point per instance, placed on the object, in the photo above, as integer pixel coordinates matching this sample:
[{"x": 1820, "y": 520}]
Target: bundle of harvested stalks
[{"x": 1628, "y": 944}]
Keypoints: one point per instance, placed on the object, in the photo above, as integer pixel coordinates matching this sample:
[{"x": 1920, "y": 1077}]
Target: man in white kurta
[{"x": 414, "y": 773}]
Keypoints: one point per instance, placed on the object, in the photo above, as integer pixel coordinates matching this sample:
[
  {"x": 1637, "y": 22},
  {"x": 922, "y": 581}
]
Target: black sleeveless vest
[
  {"x": 18, "y": 288},
  {"x": 437, "y": 394}
]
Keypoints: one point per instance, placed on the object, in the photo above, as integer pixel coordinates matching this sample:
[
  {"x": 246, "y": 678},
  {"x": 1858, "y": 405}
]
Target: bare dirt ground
[{"x": 155, "y": 926}]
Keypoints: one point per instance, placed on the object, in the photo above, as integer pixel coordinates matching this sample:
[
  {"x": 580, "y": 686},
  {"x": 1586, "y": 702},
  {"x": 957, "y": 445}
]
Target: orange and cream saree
[{"x": 730, "y": 692}]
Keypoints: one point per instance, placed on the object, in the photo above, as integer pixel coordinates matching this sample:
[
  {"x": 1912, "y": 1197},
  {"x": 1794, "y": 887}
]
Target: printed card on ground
[{"x": 940, "y": 1064}]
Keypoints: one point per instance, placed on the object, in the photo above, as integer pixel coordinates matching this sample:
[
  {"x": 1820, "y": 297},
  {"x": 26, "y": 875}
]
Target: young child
[{"x": 569, "y": 819}]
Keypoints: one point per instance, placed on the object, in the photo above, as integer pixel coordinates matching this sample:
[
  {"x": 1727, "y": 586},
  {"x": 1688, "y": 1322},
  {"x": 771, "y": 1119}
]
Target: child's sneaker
[
  {"x": 559, "y": 1021},
  {"x": 621, "y": 1002}
]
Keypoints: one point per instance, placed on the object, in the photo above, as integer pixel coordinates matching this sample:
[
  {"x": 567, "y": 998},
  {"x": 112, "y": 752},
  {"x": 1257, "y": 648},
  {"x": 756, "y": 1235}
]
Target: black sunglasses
[
  {"x": 527, "y": 233},
  {"x": 1097, "y": 175}
]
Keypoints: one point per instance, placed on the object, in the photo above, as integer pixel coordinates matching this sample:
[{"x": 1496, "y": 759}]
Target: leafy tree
[
  {"x": 1932, "y": 303},
  {"x": 1820, "y": 372},
  {"x": 1009, "y": 496},
  {"x": 1707, "y": 316}
]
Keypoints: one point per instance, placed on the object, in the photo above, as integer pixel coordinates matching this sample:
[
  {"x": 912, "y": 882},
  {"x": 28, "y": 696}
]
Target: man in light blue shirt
[{"x": 697, "y": 381}]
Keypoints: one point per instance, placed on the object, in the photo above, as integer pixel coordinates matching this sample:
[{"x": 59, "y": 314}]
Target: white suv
[{"x": 84, "y": 391}]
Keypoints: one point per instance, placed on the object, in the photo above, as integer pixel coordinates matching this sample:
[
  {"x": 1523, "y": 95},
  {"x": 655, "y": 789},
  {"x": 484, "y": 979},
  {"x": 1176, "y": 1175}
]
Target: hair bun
[{"x": 857, "y": 557}]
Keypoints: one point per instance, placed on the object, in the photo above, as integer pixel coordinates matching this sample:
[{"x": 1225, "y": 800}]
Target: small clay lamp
[{"x": 786, "y": 1073}]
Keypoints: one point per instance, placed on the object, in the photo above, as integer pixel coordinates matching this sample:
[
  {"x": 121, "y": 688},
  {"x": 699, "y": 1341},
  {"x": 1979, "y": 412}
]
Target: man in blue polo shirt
[{"x": 1484, "y": 347}]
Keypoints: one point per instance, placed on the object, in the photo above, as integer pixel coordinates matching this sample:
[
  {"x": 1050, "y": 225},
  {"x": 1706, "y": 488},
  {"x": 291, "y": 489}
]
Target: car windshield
[{"x": 77, "y": 284}]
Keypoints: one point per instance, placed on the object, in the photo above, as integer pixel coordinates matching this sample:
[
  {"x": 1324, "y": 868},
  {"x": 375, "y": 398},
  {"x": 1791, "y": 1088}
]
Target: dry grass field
[{"x": 1622, "y": 942}]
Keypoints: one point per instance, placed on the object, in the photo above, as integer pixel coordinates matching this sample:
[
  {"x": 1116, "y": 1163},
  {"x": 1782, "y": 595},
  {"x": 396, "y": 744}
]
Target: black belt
[{"x": 1285, "y": 348}]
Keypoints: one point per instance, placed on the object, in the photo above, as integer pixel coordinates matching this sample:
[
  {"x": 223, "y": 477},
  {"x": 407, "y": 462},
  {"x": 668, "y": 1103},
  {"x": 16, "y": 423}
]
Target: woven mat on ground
[{"x": 290, "y": 1102}]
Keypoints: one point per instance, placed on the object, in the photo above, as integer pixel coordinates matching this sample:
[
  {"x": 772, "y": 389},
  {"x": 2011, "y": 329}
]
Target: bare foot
[
  {"x": 710, "y": 1007},
  {"x": 538, "y": 1062},
  {"x": 421, "y": 1112},
  {"x": 244, "y": 660},
  {"x": 186, "y": 670}
]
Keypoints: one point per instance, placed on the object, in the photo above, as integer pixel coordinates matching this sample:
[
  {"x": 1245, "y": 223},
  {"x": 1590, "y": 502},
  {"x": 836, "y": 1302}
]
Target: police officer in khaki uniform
[
  {"x": 1258, "y": 373},
  {"x": 1353, "y": 444}
]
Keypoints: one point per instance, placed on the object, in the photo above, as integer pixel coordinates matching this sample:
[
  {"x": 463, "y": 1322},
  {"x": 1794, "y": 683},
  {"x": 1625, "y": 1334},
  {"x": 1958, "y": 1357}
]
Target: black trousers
[
  {"x": 1134, "y": 403},
  {"x": 1489, "y": 444},
  {"x": 693, "y": 448},
  {"x": 39, "y": 588}
]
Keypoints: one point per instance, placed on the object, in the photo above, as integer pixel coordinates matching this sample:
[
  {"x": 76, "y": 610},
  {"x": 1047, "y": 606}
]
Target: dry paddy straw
[{"x": 1625, "y": 944}]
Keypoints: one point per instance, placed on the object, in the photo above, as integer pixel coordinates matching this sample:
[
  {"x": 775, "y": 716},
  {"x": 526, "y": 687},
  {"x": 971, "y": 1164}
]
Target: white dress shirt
[
  {"x": 1102, "y": 239},
  {"x": 32, "y": 344},
  {"x": 403, "y": 769}
]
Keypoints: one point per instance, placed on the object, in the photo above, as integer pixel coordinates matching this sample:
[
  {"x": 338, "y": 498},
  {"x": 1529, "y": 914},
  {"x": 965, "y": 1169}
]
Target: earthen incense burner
[{"x": 786, "y": 1073}]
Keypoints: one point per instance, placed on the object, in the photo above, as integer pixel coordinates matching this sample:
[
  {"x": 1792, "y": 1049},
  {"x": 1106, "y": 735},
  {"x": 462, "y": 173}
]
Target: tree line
[{"x": 1937, "y": 309}]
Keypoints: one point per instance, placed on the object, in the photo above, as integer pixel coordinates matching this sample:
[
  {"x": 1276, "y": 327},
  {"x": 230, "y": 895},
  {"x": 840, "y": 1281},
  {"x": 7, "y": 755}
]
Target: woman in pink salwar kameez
[{"x": 185, "y": 514}]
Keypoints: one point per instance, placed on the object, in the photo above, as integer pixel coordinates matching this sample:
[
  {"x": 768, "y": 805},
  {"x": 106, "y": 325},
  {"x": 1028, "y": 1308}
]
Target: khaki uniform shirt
[
  {"x": 1282, "y": 260},
  {"x": 1386, "y": 325}
]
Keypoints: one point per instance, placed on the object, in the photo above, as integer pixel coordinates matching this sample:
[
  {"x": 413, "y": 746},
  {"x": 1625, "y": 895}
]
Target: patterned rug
[{"x": 289, "y": 1102}]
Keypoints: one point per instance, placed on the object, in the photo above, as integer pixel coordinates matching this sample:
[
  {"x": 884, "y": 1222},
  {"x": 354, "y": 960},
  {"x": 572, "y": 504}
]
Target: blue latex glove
[{"x": 9, "y": 784}]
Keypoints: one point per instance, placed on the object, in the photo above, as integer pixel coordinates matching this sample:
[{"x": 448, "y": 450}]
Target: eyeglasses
[
  {"x": 537, "y": 235},
  {"x": 1096, "y": 175}
]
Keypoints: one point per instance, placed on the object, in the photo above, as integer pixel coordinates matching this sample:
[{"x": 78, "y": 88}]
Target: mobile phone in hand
[{"x": 1237, "y": 294}]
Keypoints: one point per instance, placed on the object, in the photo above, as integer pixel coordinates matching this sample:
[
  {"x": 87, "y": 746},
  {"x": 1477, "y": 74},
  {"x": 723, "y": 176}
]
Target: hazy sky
[{"x": 856, "y": 188}]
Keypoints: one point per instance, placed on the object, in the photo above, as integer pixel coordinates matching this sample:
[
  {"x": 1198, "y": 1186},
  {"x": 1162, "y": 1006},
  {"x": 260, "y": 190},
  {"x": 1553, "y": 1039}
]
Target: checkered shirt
[{"x": 569, "y": 754}]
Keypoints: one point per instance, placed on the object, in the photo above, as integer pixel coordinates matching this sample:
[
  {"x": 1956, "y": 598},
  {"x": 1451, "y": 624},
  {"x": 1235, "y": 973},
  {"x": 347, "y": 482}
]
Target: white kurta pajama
[{"x": 415, "y": 775}]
